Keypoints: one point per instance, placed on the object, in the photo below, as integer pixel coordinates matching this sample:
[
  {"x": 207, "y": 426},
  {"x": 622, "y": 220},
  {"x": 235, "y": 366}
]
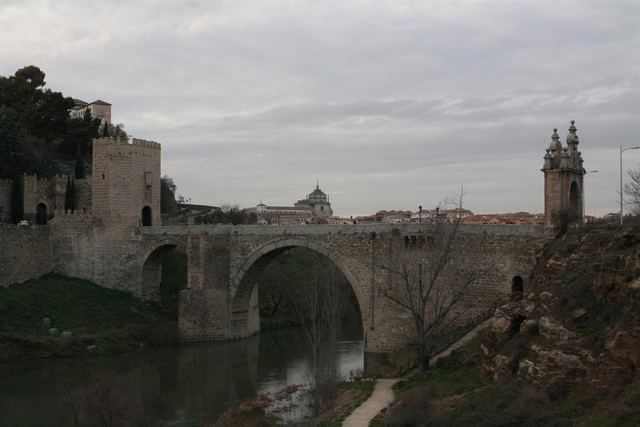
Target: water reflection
[{"x": 183, "y": 386}]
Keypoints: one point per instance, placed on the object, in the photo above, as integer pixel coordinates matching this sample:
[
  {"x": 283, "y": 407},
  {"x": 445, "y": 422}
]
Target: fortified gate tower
[
  {"x": 563, "y": 181},
  {"x": 126, "y": 182}
]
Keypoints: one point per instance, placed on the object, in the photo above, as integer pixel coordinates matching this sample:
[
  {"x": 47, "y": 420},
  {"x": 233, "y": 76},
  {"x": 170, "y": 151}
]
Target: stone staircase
[{"x": 466, "y": 338}]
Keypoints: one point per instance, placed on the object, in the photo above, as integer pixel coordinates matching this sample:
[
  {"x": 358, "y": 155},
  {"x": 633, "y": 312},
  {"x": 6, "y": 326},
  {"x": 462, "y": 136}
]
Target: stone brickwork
[
  {"x": 6, "y": 187},
  {"x": 48, "y": 193},
  {"x": 25, "y": 253},
  {"x": 125, "y": 181}
]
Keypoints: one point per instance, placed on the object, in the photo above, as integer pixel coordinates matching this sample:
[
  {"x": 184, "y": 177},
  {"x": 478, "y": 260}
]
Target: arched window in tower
[
  {"x": 574, "y": 201},
  {"x": 41, "y": 214},
  {"x": 146, "y": 216}
]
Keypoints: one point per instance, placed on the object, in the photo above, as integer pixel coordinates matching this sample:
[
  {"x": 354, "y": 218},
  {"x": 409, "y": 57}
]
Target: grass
[
  {"x": 107, "y": 317},
  {"x": 445, "y": 382}
]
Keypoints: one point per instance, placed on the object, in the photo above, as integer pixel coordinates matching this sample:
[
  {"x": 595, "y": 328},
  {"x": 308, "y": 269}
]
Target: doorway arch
[
  {"x": 146, "y": 217},
  {"x": 517, "y": 285},
  {"x": 42, "y": 215}
]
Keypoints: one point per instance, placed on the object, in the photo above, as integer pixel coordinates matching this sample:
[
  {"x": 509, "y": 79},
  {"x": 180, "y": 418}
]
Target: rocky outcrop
[{"x": 581, "y": 323}]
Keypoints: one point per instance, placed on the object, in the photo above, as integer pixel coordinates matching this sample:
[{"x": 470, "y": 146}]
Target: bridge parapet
[{"x": 329, "y": 229}]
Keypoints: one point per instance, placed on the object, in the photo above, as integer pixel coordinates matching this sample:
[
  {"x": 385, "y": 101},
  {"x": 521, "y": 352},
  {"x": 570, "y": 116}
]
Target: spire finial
[{"x": 317, "y": 184}]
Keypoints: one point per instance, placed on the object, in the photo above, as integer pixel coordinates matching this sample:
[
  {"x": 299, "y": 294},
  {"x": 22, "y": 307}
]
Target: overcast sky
[{"x": 388, "y": 104}]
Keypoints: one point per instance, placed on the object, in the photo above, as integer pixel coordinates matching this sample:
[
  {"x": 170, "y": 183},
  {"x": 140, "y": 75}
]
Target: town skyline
[{"x": 388, "y": 105}]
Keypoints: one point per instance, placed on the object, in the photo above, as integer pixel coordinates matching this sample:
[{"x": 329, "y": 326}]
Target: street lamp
[
  {"x": 622, "y": 149},
  {"x": 420, "y": 214}
]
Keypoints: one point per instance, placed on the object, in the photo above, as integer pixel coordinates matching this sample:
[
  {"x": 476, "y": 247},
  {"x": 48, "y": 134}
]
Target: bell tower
[{"x": 563, "y": 181}]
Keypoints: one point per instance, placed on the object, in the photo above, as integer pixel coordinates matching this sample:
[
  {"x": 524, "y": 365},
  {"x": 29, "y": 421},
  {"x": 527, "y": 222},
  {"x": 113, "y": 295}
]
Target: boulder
[
  {"x": 46, "y": 322},
  {"x": 552, "y": 329},
  {"x": 54, "y": 332},
  {"x": 500, "y": 325},
  {"x": 66, "y": 334},
  {"x": 92, "y": 348}
]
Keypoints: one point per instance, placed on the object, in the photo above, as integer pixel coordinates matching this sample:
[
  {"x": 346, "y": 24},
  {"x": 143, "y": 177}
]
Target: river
[{"x": 189, "y": 385}]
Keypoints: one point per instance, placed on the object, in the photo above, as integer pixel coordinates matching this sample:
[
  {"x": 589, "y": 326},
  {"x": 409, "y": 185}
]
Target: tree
[
  {"x": 168, "y": 203},
  {"x": 431, "y": 290},
  {"x": 632, "y": 190},
  {"x": 320, "y": 305},
  {"x": 225, "y": 215}
]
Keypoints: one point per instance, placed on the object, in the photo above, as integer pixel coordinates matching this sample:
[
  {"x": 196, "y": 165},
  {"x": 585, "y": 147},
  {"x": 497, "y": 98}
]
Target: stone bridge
[{"x": 225, "y": 263}]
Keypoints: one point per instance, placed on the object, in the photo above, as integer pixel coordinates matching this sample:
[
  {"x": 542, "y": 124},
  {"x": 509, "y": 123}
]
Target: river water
[{"x": 189, "y": 385}]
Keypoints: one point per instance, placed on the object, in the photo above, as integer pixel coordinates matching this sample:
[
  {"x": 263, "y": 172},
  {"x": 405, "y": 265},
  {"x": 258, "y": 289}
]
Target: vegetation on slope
[
  {"x": 566, "y": 353},
  {"x": 100, "y": 319}
]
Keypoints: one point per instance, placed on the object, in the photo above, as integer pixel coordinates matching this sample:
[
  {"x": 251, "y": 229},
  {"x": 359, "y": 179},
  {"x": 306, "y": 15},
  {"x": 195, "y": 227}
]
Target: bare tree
[
  {"x": 431, "y": 289},
  {"x": 321, "y": 306},
  {"x": 632, "y": 190}
]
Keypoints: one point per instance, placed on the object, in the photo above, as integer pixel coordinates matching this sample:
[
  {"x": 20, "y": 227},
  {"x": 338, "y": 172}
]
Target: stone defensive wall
[
  {"x": 225, "y": 264},
  {"x": 25, "y": 253}
]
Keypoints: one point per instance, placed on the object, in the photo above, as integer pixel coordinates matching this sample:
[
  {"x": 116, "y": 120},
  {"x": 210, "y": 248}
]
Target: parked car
[{"x": 23, "y": 223}]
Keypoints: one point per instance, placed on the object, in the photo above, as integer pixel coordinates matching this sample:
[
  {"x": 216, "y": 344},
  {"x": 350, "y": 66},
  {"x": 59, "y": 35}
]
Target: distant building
[
  {"x": 319, "y": 204},
  {"x": 314, "y": 209},
  {"x": 98, "y": 109},
  {"x": 520, "y": 218}
]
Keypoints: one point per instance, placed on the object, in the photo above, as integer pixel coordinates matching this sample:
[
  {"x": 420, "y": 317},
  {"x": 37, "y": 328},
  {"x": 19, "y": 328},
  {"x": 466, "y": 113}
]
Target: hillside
[
  {"x": 100, "y": 320},
  {"x": 566, "y": 352}
]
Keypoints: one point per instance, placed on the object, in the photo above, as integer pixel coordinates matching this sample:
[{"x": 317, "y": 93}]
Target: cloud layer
[{"x": 388, "y": 104}]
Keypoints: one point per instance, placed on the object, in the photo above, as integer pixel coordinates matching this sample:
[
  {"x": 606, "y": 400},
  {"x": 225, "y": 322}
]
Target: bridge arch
[
  {"x": 152, "y": 266},
  {"x": 244, "y": 280}
]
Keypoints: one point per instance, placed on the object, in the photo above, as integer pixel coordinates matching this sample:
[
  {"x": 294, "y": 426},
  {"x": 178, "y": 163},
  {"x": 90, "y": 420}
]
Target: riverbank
[
  {"x": 56, "y": 316},
  {"x": 258, "y": 411}
]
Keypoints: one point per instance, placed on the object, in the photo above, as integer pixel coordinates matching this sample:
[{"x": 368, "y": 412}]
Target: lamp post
[
  {"x": 622, "y": 149},
  {"x": 420, "y": 214}
]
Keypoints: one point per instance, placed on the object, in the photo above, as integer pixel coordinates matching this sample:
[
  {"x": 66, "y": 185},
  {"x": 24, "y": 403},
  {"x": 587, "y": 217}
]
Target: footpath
[{"x": 382, "y": 395}]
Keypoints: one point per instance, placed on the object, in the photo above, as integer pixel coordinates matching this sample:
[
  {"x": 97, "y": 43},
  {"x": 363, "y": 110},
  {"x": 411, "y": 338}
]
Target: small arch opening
[
  {"x": 41, "y": 214},
  {"x": 517, "y": 285},
  {"x": 146, "y": 216}
]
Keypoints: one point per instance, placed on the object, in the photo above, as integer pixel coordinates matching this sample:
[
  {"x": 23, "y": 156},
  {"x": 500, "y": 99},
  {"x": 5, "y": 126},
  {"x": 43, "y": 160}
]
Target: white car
[{"x": 23, "y": 223}]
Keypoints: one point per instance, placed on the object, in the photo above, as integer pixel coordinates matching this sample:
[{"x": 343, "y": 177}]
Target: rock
[
  {"x": 46, "y": 322},
  {"x": 549, "y": 328},
  {"x": 66, "y": 334},
  {"x": 578, "y": 313},
  {"x": 528, "y": 306},
  {"x": 530, "y": 327},
  {"x": 500, "y": 367},
  {"x": 54, "y": 332},
  {"x": 546, "y": 296},
  {"x": 501, "y": 325},
  {"x": 92, "y": 348},
  {"x": 527, "y": 368},
  {"x": 625, "y": 345},
  {"x": 553, "y": 365}
]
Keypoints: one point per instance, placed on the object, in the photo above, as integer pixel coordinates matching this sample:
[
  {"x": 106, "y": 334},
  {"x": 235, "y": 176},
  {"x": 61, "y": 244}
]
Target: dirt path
[{"x": 381, "y": 397}]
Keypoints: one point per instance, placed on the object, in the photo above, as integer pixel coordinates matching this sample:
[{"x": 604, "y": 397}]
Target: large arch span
[{"x": 245, "y": 279}]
